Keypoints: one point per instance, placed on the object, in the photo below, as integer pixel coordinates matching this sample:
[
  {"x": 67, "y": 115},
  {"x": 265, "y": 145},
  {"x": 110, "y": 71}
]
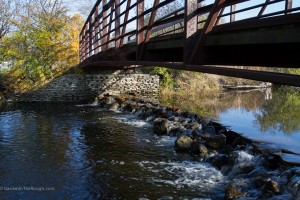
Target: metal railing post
[
  {"x": 140, "y": 26},
  {"x": 190, "y": 28},
  {"x": 117, "y": 23},
  {"x": 232, "y": 16},
  {"x": 104, "y": 27},
  {"x": 96, "y": 33},
  {"x": 288, "y": 6}
]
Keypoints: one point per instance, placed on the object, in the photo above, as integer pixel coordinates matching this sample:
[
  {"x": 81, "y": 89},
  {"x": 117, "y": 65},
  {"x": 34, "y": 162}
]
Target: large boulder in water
[
  {"x": 177, "y": 130},
  {"x": 114, "y": 106},
  {"x": 218, "y": 160},
  {"x": 161, "y": 126},
  {"x": 210, "y": 130},
  {"x": 108, "y": 100},
  {"x": 199, "y": 148},
  {"x": 183, "y": 143},
  {"x": 216, "y": 142},
  {"x": 193, "y": 125},
  {"x": 236, "y": 189},
  {"x": 271, "y": 187},
  {"x": 129, "y": 106}
]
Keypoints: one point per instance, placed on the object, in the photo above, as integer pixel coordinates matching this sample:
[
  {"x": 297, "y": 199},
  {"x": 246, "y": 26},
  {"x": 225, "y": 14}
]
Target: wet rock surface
[
  {"x": 235, "y": 190},
  {"x": 161, "y": 126},
  {"x": 252, "y": 170},
  {"x": 183, "y": 143}
]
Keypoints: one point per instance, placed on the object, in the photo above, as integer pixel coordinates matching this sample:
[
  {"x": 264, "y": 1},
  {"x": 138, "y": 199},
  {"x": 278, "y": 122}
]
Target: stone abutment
[{"x": 85, "y": 87}]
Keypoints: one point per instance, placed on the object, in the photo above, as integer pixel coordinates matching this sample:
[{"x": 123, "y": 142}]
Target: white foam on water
[
  {"x": 181, "y": 174},
  {"x": 132, "y": 120},
  {"x": 165, "y": 141},
  {"x": 116, "y": 162},
  {"x": 94, "y": 104},
  {"x": 243, "y": 158},
  {"x": 135, "y": 122}
]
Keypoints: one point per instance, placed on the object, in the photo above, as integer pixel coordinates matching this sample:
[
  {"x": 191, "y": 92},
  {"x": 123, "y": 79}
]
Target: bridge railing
[{"x": 114, "y": 23}]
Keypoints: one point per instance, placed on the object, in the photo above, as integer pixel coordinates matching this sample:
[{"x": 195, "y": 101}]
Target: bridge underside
[
  {"x": 274, "y": 46},
  {"x": 267, "y": 42}
]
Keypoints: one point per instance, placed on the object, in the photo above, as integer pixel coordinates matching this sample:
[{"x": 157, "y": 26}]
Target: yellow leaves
[
  {"x": 16, "y": 72},
  {"x": 41, "y": 48},
  {"x": 42, "y": 38},
  {"x": 73, "y": 29}
]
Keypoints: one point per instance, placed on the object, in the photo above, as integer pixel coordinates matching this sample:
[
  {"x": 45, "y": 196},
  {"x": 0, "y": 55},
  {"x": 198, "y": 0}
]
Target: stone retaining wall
[{"x": 83, "y": 88}]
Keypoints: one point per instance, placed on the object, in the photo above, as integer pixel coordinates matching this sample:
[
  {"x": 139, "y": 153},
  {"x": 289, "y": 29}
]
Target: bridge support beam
[
  {"x": 148, "y": 31},
  {"x": 117, "y": 23},
  {"x": 140, "y": 27},
  {"x": 198, "y": 54},
  {"x": 190, "y": 28},
  {"x": 104, "y": 27},
  {"x": 96, "y": 33},
  {"x": 272, "y": 77},
  {"x": 90, "y": 43},
  {"x": 288, "y": 6}
]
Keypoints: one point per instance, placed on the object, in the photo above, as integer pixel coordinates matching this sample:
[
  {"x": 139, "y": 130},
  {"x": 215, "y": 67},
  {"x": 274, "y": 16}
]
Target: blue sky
[
  {"x": 271, "y": 8},
  {"x": 251, "y": 13},
  {"x": 239, "y": 16}
]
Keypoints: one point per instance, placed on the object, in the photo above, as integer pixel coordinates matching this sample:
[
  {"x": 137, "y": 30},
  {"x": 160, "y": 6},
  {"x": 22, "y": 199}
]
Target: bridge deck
[{"x": 195, "y": 37}]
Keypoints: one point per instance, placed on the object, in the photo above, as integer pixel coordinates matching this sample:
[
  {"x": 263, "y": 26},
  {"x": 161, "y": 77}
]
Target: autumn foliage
[{"x": 42, "y": 45}]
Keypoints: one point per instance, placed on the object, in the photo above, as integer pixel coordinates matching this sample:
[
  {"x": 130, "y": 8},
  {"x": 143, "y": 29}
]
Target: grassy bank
[
  {"x": 198, "y": 92},
  {"x": 185, "y": 84}
]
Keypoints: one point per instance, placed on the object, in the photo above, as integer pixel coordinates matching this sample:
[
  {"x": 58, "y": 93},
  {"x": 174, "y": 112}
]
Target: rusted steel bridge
[{"x": 200, "y": 35}]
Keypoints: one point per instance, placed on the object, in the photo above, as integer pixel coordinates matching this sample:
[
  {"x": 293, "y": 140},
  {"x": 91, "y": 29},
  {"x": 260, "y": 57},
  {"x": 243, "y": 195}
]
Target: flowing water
[
  {"x": 77, "y": 152},
  {"x": 54, "y": 151}
]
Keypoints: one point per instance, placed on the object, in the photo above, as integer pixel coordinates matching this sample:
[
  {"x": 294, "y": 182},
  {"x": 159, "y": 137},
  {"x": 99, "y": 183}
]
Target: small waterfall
[
  {"x": 241, "y": 160},
  {"x": 294, "y": 186}
]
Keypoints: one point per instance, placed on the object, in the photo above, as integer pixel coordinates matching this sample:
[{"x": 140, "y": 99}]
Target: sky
[
  {"x": 148, "y": 4},
  {"x": 84, "y": 5}
]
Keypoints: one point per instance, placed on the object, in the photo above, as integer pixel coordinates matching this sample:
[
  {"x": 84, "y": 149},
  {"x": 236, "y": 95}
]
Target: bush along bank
[{"x": 252, "y": 170}]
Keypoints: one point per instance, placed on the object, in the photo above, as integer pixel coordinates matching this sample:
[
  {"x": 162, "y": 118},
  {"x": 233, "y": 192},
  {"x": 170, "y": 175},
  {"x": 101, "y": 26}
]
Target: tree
[
  {"x": 69, "y": 56},
  {"x": 43, "y": 43},
  {"x": 5, "y": 17}
]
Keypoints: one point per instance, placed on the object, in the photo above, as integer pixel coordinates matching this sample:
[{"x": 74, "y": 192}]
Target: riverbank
[
  {"x": 203, "y": 85},
  {"x": 262, "y": 168}
]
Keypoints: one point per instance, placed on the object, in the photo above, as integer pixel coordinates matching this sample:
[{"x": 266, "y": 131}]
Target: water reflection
[
  {"x": 85, "y": 153},
  {"x": 256, "y": 112},
  {"x": 281, "y": 113},
  {"x": 36, "y": 144}
]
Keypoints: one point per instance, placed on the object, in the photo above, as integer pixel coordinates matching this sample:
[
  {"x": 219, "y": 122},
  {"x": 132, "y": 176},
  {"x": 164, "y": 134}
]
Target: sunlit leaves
[{"x": 43, "y": 44}]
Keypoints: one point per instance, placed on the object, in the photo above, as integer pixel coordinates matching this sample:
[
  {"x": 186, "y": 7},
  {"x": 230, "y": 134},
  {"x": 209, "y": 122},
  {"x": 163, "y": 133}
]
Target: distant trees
[{"x": 42, "y": 43}]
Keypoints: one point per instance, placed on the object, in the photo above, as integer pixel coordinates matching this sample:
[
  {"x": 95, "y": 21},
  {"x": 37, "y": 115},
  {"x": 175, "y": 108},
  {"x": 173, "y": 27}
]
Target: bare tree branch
[{"x": 5, "y": 17}]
